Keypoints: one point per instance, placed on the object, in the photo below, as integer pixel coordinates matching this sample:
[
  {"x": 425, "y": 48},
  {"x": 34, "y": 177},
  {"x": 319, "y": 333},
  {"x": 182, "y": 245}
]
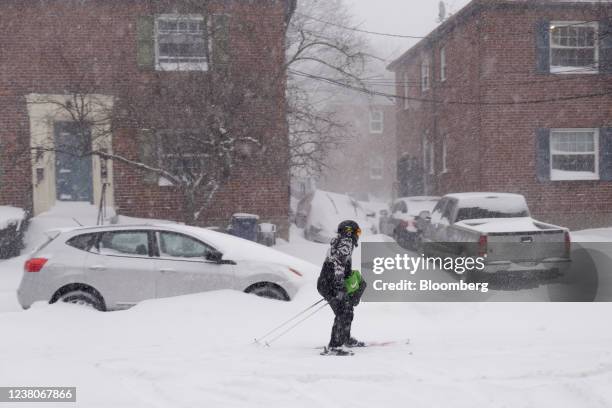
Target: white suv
[{"x": 114, "y": 267}]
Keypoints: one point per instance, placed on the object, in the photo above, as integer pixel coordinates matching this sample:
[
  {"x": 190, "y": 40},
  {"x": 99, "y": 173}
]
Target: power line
[
  {"x": 359, "y": 30},
  {"x": 447, "y": 102}
]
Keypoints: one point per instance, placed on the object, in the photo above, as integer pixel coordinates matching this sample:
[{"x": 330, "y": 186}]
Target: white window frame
[
  {"x": 406, "y": 88},
  {"x": 178, "y": 66},
  {"x": 377, "y": 122},
  {"x": 574, "y": 70},
  {"x": 443, "y": 64},
  {"x": 587, "y": 176},
  {"x": 377, "y": 168},
  {"x": 425, "y": 77},
  {"x": 428, "y": 157},
  {"x": 444, "y": 155},
  {"x": 432, "y": 156}
]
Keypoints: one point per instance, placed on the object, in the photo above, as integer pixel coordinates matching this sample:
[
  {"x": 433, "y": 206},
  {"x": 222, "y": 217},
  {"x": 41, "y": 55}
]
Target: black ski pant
[{"x": 341, "y": 331}]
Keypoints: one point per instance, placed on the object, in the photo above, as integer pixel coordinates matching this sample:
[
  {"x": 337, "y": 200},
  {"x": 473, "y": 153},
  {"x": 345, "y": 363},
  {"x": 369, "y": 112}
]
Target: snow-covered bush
[{"x": 13, "y": 222}]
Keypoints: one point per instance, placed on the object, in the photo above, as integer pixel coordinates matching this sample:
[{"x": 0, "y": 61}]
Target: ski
[{"x": 377, "y": 344}]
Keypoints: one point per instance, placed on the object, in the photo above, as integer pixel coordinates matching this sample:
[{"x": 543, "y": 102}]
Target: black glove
[{"x": 355, "y": 297}]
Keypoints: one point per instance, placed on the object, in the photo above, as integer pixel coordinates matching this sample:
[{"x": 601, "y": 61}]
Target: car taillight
[
  {"x": 34, "y": 264},
  {"x": 568, "y": 243},
  {"x": 482, "y": 245}
]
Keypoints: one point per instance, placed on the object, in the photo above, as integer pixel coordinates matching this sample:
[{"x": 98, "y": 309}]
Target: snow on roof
[
  {"x": 467, "y": 9},
  {"x": 10, "y": 215},
  {"x": 505, "y": 202}
]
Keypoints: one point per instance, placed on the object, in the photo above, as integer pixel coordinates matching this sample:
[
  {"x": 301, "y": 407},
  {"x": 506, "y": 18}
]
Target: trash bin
[
  {"x": 267, "y": 234},
  {"x": 244, "y": 226}
]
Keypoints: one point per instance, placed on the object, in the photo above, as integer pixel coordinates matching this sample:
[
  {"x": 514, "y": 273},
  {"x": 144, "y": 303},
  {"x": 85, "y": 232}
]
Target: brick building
[
  {"x": 515, "y": 96},
  {"x": 152, "y": 48},
  {"x": 365, "y": 163}
]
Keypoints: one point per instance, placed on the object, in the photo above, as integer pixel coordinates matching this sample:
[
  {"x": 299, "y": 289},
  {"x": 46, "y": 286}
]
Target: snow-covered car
[
  {"x": 322, "y": 211},
  {"x": 401, "y": 221},
  {"x": 114, "y": 267},
  {"x": 498, "y": 227}
]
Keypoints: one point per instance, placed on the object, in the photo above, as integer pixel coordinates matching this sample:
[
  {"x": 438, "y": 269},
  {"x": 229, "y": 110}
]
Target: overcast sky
[{"x": 405, "y": 17}]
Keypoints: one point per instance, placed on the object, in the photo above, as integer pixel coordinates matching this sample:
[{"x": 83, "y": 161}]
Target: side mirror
[
  {"x": 371, "y": 214},
  {"x": 214, "y": 256}
]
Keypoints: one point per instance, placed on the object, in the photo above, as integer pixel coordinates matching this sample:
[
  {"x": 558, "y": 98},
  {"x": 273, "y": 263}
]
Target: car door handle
[
  {"x": 165, "y": 270},
  {"x": 97, "y": 268}
]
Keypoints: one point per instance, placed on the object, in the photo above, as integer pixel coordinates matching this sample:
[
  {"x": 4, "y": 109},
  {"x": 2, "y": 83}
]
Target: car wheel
[
  {"x": 268, "y": 290},
  {"x": 83, "y": 298}
]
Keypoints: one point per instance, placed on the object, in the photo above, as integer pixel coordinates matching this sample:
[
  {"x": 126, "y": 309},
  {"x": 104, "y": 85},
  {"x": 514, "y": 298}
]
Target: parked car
[
  {"x": 114, "y": 267},
  {"x": 497, "y": 226},
  {"x": 320, "y": 212},
  {"x": 401, "y": 221}
]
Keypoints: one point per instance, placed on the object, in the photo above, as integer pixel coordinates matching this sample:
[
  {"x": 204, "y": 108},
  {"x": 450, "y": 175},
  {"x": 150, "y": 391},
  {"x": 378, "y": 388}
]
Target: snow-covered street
[{"x": 198, "y": 349}]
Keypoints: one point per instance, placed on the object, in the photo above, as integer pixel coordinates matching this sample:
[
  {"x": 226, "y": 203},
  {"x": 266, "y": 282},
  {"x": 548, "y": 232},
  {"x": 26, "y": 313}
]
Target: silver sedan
[{"x": 115, "y": 267}]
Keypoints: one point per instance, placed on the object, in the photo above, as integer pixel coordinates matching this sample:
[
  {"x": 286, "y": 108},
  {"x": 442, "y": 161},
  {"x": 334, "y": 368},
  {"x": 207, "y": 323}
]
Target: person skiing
[{"x": 331, "y": 284}]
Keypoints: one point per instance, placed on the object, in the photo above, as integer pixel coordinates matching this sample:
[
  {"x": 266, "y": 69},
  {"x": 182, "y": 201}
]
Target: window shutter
[
  {"x": 220, "y": 37},
  {"x": 543, "y": 154},
  {"x": 146, "y": 44},
  {"x": 605, "y": 154},
  {"x": 605, "y": 46},
  {"x": 148, "y": 154},
  {"x": 543, "y": 46}
]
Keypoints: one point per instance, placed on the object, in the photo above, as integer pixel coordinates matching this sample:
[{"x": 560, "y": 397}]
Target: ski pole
[
  {"x": 288, "y": 321},
  {"x": 294, "y": 325}
]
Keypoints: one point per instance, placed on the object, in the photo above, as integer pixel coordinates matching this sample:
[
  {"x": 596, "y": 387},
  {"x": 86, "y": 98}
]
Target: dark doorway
[
  {"x": 73, "y": 174},
  {"x": 410, "y": 177}
]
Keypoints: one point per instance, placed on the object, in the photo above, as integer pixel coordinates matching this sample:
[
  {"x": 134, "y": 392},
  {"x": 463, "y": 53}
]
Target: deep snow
[{"x": 198, "y": 350}]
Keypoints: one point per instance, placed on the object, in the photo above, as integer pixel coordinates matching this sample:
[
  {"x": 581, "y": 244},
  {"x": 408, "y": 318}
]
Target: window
[
  {"x": 428, "y": 157},
  {"x": 573, "y": 47},
  {"x": 425, "y": 75},
  {"x": 406, "y": 90},
  {"x": 130, "y": 243},
  {"x": 444, "y": 154},
  {"x": 574, "y": 154},
  {"x": 183, "y": 152},
  {"x": 443, "y": 64},
  {"x": 181, "y": 43},
  {"x": 376, "y": 168},
  {"x": 83, "y": 242},
  {"x": 400, "y": 206},
  {"x": 173, "y": 245},
  {"x": 376, "y": 122}
]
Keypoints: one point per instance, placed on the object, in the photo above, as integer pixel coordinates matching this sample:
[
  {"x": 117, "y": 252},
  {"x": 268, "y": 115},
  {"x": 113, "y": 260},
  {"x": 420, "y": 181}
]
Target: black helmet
[{"x": 350, "y": 228}]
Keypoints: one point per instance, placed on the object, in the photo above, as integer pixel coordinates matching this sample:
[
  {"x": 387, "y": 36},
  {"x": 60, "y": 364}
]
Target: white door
[
  {"x": 120, "y": 267},
  {"x": 185, "y": 266}
]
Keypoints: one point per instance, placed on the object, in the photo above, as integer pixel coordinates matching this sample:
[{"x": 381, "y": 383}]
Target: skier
[{"x": 331, "y": 285}]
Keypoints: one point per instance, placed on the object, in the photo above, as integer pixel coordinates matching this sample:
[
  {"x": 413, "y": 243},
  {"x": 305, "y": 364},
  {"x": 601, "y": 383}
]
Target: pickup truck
[{"x": 496, "y": 226}]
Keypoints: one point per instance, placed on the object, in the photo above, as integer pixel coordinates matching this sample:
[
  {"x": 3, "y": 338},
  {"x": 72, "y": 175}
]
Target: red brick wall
[
  {"x": 491, "y": 59},
  {"x": 47, "y": 44}
]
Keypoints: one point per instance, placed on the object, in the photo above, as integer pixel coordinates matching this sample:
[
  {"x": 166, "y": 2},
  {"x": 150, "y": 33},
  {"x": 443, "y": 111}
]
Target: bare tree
[
  {"x": 191, "y": 130},
  {"x": 318, "y": 49}
]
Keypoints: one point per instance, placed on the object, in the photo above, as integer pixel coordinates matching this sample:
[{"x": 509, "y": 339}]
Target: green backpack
[{"x": 353, "y": 282}]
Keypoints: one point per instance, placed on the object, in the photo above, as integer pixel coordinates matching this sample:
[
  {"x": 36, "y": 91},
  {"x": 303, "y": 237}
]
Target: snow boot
[
  {"x": 336, "y": 351},
  {"x": 353, "y": 342}
]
